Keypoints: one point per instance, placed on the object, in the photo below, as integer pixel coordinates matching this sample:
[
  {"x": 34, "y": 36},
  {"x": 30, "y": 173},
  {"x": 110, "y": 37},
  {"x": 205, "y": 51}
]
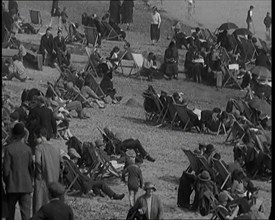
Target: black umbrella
[
  {"x": 228, "y": 26},
  {"x": 242, "y": 31},
  {"x": 261, "y": 105},
  {"x": 262, "y": 72}
]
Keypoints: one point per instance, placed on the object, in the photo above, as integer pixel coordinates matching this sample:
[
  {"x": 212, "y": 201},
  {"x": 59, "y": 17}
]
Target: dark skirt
[
  {"x": 155, "y": 32},
  {"x": 171, "y": 69},
  {"x": 127, "y": 12}
]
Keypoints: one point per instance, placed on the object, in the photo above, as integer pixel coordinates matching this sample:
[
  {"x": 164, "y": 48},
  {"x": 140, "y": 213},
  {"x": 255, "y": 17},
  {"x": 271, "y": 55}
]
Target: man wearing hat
[
  {"x": 56, "y": 208},
  {"x": 18, "y": 173},
  {"x": 149, "y": 204},
  {"x": 47, "y": 163},
  {"x": 267, "y": 23},
  {"x": 203, "y": 184}
]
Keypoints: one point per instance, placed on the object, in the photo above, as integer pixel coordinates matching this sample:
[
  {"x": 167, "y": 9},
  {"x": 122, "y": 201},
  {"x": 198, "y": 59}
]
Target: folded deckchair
[
  {"x": 110, "y": 33},
  {"x": 36, "y": 20},
  {"x": 223, "y": 173},
  {"x": 195, "y": 164},
  {"x": 91, "y": 35}
]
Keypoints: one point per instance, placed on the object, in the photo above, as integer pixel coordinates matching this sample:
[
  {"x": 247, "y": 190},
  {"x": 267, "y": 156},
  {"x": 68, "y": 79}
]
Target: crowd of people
[{"x": 37, "y": 174}]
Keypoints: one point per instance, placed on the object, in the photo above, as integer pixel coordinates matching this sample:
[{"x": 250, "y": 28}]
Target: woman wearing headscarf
[
  {"x": 127, "y": 12},
  {"x": 155, "y": 26}
]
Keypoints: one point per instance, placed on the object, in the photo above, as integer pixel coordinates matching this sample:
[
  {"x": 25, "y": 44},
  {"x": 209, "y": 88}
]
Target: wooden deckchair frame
[
  {"x": 195, "y": 164},
  {"x": 33, "y": 22},
  {"x": 76, "y": 175},
  {"x": 230, "y": 75},
  {"x": 111, "y": 31},
  {"x": 87, "y": 31},
  {"x": 104, "y": 135},
  {"x": 158, "y": 103},
  {"x": 234, "y": 125},
  {"x": 90, "y": 65},
  {"x": 222, "y": 171}
]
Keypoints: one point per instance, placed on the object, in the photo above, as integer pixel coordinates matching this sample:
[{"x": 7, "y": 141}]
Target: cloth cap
[
  {"x": 204, "y": 176},
  {"x": 99, "y": 143},
  {"x": 56, "y": 189},
  {"x": 18, "y": 130},
  {"x": 209, "y": 148},
  {"x": 73, "y": 154},
  {"x": 149, "y": 185},
  {"x": 223, "y": 197},
  {"x": 202, "y": 145}
]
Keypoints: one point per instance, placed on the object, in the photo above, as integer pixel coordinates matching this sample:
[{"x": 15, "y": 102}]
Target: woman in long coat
[
  {"x": 114, "y": 10},
  {"x": 127, "y": 12}
]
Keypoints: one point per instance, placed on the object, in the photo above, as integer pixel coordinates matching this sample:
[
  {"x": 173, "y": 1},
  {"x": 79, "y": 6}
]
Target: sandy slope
[{"x": 164, "y": 144}]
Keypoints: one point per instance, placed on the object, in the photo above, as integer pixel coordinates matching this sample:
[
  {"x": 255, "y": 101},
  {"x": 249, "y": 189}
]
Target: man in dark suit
[
  {"x": 63, "y": 56},
  {"x": 56, "y": 208},
  {"x": 40, "y": 117},
  {"x": 263, "y": 60},
  {"x": 18, "y": 173},
  {"x": 46, "y": 45}
]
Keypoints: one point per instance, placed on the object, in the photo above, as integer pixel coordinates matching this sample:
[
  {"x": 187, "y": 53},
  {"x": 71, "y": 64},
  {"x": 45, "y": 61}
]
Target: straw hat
[
  {"x": 149, "y": 185},
  {"x": 204, "y": 176}
]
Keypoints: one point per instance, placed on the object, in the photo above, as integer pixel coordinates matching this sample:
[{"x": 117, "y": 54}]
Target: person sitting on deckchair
[
  {"x": 148, "y": 66},
  {"x": 74, "y": 34},
  {"x": 46, "y": 47},
  {"x": 114, "y": 59},
  {"x": 128, "y": 52},
  {"x": 89, "y": 94},
  {"x": 97, "y": 60},
  {"x": 99, "y": 28},
  {"x": 106, "y": 84},
  {"x": 88, "y": 184},
  {"x": 63, "y": 56},
  {"x": 263, "y": 60}
]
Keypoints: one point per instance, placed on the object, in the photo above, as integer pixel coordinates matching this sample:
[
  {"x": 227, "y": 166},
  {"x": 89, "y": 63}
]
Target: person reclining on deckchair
[
  {"x": 121, "y": 146},
  {"x": 88, "y": 184},
  {"x": 74, "y": 34}
]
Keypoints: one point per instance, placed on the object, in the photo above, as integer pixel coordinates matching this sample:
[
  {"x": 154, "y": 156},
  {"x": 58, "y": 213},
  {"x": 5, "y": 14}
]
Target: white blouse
[{"x": 156, "y": 18}]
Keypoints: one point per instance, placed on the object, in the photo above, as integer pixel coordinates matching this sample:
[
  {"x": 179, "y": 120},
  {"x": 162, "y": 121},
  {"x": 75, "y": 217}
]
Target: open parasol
[
  {"x": 262, "y": 72},
  {"x": 228, "y": 26},
  {"x": 242, "y": 31}
]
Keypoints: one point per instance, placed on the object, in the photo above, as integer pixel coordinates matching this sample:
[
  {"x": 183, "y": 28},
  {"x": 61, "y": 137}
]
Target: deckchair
[
  {"x": 95, "y": 86},
  {"x": 5, "y": 136},
  {"x": 107, "y": 138},
  {"x": 90, "y": 66},
  {"x": 217, "y": 212},
  {"x": 94, "y": 168},
  {"x": 206, "y": 166},
  {"x": 244, "y": 45},
  {"x": 230, "y": 76},
  {"x": 136, "y": 64},
  {"x": 110, "y": 33},
  {"x": 106, "y": 165},
  {"x": 71, "y": 177},
  {"x": 195, "y": 164},
  {"x": 236, "y": 131},
  {"x": 155, "y": 99},
  {"x": 36, "y": 19},
  {"x": 91, "y": 35},
  {"x": 223, "y": 173}
]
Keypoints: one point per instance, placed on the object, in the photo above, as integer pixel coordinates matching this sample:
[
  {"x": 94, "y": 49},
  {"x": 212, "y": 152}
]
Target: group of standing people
[{"x": 122, "y": 12}]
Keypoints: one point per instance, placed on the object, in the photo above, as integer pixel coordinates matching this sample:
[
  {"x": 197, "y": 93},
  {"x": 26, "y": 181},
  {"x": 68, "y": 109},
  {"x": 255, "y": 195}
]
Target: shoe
[
  {"x": 118, "y": 196},
  {"x": 149, "y": 158}
]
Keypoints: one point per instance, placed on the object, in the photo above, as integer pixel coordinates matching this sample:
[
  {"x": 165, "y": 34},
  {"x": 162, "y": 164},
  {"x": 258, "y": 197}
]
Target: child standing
[{"x": 135, "y": 179}]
